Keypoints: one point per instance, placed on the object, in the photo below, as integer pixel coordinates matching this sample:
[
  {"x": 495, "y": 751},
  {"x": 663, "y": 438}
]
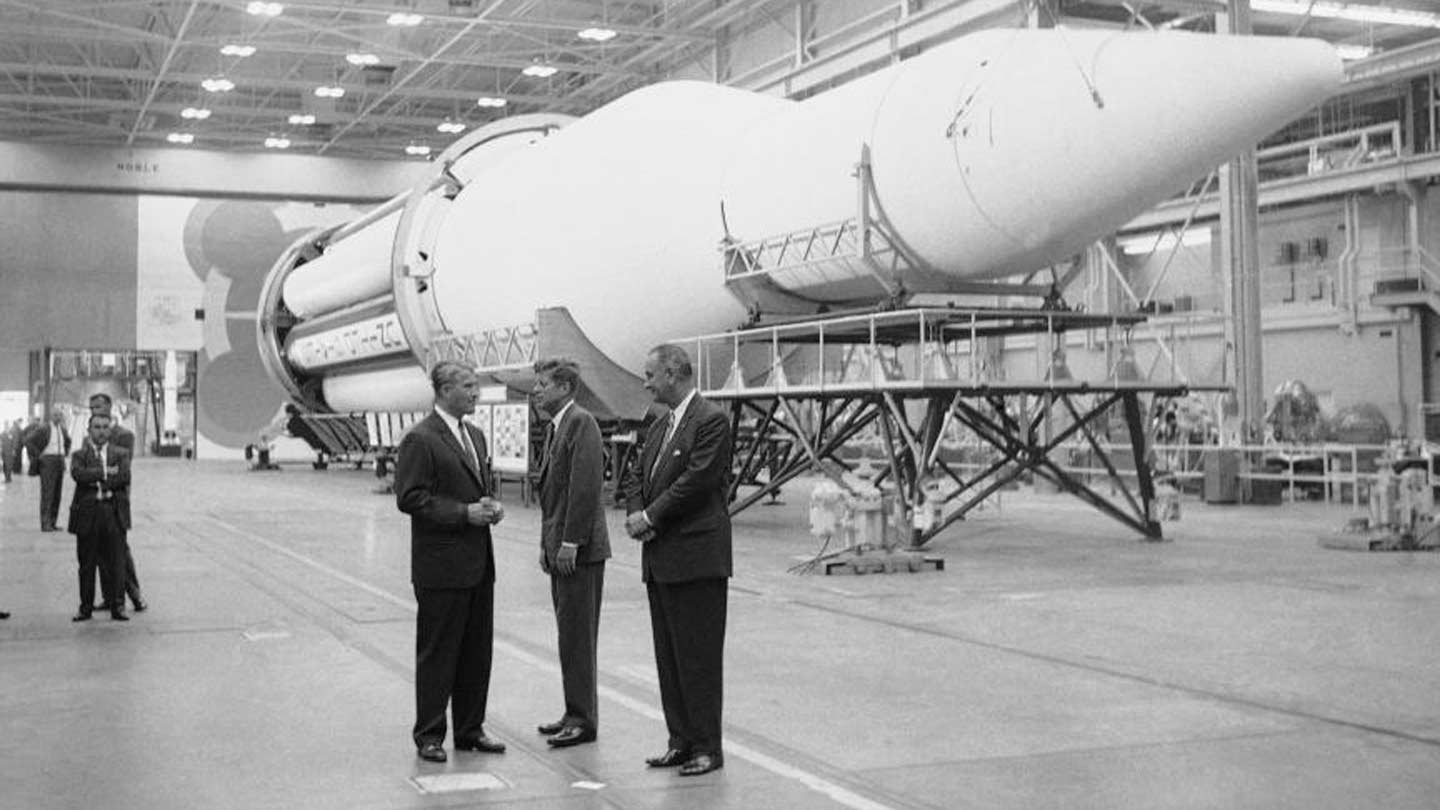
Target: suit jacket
[
  {"x": 435, "y": 480},
  {"x": 685, "y": 495},
  {"x": 123, "y": 437},
  {"x": 37, "y": 439},
  {"x": 86, "y": 469},
  {"x": 572, "y": 473}
]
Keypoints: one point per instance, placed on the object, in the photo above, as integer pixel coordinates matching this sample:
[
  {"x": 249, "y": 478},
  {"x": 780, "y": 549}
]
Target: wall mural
[{"x": 209, "y": 258}]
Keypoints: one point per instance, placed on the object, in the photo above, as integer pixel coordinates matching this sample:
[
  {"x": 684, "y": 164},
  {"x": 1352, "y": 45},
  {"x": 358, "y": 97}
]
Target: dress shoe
[
  {"x": 483, "y": 744},
  {"x": 119, "y": 616},
  {"x": 551, "y": 728},
  {"x": 431, "y": 752},
  {"x": 82, "y": 616},
  {"x": 141, "y": 605},
  {"x": 4, "y": 615},
  {"x": 672, "y": 758},
  {"x": 572, "y": 735},
  {"x": 48, "y": 529},
  {"x": 702, "y": 763}
]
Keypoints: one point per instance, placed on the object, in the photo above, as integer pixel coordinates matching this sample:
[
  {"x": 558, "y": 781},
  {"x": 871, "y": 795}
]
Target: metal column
[{"x": 1239, "y": 231}]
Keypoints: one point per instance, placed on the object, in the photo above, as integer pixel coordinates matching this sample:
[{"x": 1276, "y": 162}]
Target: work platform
[{"x": 922, "y": 382}]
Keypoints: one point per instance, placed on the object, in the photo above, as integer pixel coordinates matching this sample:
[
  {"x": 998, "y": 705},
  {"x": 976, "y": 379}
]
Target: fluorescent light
[
  {"x": 1354, "y": 12},
  {"x": 179, "y": 137},
  {"x": 1354, "y": 51},
  {"x": 262, "y": 9},
  {"x": 325, "y": 91},
  {"x": 450, "y": 127},
  {"x": 417, "y": 149},
  {"x": 219, "y": 84},
  {"x": 273, "y": 142},
  {"x": 362, "y": 59},
  {"x": 540, "y": 71},
  {"x": 302, "y": 120},
  {"x": 238, "y": 50},
  {"x": 197, "y": 113},
  {"x": 597, "y": 34},
  {"x": 490, "y": 101},
  {"x": 1156, "y": 242},
  {"x": 401, "y": 18}
]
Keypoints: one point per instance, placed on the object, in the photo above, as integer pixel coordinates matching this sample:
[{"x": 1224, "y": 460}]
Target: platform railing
[{"x": 1340, "y": 150}]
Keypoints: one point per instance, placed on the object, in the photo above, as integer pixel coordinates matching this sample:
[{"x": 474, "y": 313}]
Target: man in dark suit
[
  {"x": 123, "y": 438},
  {"x": 10, "y": 449},
  {"x": 574, "y": 543},
  {"x": 100, "y": 512},
  {"x": 49, "y": 444},
  {"x": 676, "y": 498},
  {"x": 442, "y": 481}
]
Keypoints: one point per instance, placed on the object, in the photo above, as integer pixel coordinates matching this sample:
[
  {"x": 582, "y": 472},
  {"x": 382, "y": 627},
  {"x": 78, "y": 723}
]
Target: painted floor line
[{"x": 814, "y": 782}]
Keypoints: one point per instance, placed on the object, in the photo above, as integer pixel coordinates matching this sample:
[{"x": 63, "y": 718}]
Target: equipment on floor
[
  {"x": 1402, "y": 511},
  {"x": 851, "y": 509}
]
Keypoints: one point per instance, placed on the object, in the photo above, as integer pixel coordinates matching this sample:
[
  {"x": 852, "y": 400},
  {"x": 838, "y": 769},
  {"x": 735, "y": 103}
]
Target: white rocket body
[{"x": 997, "y": 154}]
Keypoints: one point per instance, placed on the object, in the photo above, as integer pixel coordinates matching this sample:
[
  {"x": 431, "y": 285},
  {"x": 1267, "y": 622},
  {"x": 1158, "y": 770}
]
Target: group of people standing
[
  {"x": 676, "y": 500},
  {"x": 100, "y": 505}
]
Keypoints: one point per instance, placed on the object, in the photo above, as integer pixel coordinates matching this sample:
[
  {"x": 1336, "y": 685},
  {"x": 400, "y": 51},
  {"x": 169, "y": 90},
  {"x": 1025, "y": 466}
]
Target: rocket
[{"x": 996, "y": 154}]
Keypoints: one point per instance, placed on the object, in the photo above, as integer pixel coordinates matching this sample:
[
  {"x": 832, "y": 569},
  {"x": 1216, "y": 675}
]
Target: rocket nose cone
[
  {"x": 1058, "y": 137},
  {"x": 1284, "y": 75}
]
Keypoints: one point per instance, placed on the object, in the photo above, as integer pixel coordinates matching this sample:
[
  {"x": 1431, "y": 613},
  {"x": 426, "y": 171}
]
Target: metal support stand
[{"x": 935, "y": 492}]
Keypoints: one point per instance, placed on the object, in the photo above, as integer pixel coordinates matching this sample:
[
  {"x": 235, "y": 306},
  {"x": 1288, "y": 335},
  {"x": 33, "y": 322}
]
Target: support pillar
[{"x": 1239, "y": 232}]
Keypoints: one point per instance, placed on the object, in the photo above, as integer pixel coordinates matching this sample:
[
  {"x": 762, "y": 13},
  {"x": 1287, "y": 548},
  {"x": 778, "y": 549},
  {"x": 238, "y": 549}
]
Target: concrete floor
[{"x": 1057, "y": 662}]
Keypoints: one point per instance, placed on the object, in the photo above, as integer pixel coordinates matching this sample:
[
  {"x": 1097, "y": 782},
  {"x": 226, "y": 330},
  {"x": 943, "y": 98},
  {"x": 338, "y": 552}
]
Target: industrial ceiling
[{"x": 371, "y": 78}]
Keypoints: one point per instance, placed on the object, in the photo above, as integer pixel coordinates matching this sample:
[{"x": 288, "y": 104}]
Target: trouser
[
  {"x": 130, "y": 581},
  {"x": 577, "y": 622},
  {"x": 103, "y": 539},
  {"x": 687, "y": 620},
  {"x": 7, "y": 460},
  {"x": 52, "y": 479},
  {"x": 454, "y": 633}
]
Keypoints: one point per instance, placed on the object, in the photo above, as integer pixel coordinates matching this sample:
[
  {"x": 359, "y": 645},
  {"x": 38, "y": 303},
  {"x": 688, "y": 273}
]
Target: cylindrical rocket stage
[{"x": 997, "y": 154}]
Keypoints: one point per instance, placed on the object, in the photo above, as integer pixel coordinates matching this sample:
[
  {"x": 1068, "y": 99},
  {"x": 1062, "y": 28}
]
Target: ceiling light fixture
[
  {"x": 359, "y": 59},
  {"x": 241, "y": 51},
  {"x": 218, "y": 84},
  {"x": 597, "y": 34},
  {"x": 417, "y": 149},
  {"x": 1351, "y": 52},
  {"x": 180, "y": 137},
  {"x": 541, "y": 71},
  {"x": 1382, "y": 15},
  {"x": 196, "y": 113},
  {"x": 490, "y": 101},
  {"x": 301, "y": 120},
  {"x": 401, "y": 18},
  {"x": 273, "y": 142},
  {"x": 330, "y": 91},
  {"x": 262, "y": 9},
  {"x": 450, "y": 127}
]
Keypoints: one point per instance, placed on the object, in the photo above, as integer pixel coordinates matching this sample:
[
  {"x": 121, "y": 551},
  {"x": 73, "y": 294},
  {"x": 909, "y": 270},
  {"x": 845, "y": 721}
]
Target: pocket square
[{"x": 676, "y": 453}]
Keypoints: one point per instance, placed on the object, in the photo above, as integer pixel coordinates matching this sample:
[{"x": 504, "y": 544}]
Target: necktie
[
  {"x": 664, "y": 442},
  {"x": 545, "y": 445},
  {"x": 469, "y": 446}
]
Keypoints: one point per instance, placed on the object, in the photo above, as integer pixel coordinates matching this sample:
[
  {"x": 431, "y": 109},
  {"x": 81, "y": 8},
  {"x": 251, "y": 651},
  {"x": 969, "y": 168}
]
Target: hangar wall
[{"x": 164, "y": 249}]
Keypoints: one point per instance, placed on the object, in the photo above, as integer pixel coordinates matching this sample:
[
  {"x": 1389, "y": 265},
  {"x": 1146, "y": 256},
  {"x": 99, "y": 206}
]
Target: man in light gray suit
[{"x": 574, "y": 542}]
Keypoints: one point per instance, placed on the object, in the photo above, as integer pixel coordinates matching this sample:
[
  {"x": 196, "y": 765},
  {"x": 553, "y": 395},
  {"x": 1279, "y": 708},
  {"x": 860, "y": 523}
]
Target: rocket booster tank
[{"x": 996, "y": 154}]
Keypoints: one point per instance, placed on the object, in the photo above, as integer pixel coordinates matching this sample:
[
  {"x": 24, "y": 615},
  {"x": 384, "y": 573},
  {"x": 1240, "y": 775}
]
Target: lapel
[
  {"x": 448, "y": 437},
  {"x": 552, "y": 429},
  {"x": 655, "y": 460}
]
